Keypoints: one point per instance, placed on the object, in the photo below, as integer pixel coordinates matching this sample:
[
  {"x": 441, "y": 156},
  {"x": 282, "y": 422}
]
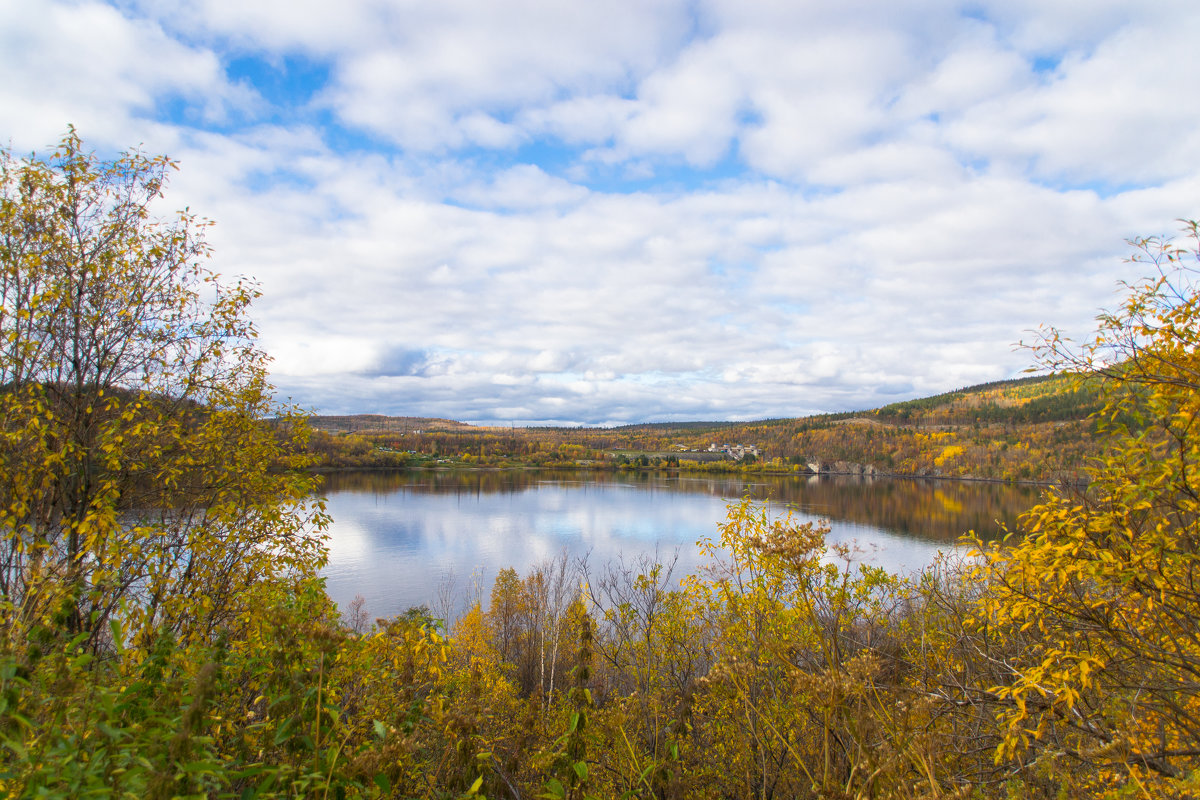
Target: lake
[{"x": 437, "y": 538}]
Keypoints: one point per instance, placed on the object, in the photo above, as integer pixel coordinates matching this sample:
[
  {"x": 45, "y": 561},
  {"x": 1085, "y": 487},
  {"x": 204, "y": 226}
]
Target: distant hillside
[
  {"x": 1035, "y": 428},
  {"x": 378, "y": 423},
  {"x": 1042, "y": 398}
]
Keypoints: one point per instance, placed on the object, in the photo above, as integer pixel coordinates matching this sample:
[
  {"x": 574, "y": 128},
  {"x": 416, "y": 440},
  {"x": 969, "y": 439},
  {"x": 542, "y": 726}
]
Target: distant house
[{"x": 735, "y": 451}]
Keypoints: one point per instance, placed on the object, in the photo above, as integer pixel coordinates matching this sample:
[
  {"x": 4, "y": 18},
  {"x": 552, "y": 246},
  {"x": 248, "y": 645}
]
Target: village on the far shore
[{"x": 737, "y": 452}]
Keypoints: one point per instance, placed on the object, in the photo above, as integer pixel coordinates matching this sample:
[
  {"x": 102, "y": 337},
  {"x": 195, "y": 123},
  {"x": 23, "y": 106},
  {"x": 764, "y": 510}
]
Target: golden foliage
[
  {"x": 165, "y": 635},
  {"x": 139, "y": 483},
  {"x": 1103, "y": 690}
]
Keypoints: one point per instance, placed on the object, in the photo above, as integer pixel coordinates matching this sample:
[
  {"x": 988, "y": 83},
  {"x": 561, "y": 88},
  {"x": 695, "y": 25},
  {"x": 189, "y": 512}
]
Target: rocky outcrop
[{"x": 843, "y": 468}]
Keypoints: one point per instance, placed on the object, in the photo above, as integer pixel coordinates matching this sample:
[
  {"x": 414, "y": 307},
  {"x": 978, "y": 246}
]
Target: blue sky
[{"x": 565, "y": 212}]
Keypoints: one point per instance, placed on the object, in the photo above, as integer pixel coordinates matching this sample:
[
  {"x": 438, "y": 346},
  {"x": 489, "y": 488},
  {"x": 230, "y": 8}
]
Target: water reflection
[{"x": 399, "y": 539}]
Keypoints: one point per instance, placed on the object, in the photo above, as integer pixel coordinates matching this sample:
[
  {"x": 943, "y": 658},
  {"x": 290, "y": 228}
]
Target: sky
[{"x": 565, "y": 212}]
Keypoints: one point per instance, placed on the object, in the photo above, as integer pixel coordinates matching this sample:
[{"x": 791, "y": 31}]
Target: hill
[
  {"x": 1037, "y": 428},
  {"x": 378, "y": 423}
]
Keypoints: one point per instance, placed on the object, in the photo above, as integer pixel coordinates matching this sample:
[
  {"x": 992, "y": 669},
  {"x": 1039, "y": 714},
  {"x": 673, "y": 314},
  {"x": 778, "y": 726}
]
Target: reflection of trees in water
[
  {"x": 936, "y": 510},
  {"x": 933, "y": 510},
  {"x": 482, "y": 481}
]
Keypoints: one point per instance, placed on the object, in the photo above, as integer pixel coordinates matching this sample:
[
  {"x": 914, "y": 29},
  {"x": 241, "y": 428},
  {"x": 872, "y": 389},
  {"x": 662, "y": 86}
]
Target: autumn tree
[
  {"x": 529, "y": 620},
  {"x": 140, "y": 447},
  {"x": 1103, "y": 594}
]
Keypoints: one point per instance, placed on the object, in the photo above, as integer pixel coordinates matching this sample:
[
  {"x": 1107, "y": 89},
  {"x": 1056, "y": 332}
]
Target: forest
[{"x": 166, "y": 632}]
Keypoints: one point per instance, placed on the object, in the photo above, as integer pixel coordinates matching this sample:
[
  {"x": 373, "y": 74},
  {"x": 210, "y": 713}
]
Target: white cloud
[
  {"x": 975, "y": 67},
  {"x": 1112, "y": 114},
  {"x": 592, "y": 119},
  {"x": 86, "y": 64},
  {"x": 896, "y": 193},
  {"x": 689, "y": 108},
  {"x": 279, "y": 26},
  {"x": 426, "y": 81},
  {"x": 522, "y": 187}
]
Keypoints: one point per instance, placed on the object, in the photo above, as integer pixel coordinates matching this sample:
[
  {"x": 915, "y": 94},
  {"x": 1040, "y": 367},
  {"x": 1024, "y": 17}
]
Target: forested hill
[
  {"x": 1043, "y": 398},
  {"x": 1040, "y": 398},
  {"x": 378, "y": 423},
  {"x": 1035, "y": 428}
]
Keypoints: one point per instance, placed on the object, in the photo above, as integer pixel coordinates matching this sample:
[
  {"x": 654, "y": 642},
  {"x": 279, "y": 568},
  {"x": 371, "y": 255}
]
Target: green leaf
[
  {"x": 118, "y": 636},
  {"x": 554, "y": 790},
  {"x": 284, "y": 731}
]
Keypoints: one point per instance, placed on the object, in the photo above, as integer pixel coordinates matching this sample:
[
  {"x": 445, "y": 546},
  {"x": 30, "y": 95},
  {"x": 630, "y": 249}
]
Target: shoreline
[{"x": 456, "y": 467}]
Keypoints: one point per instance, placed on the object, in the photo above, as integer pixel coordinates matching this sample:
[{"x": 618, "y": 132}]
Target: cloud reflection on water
[{"x": 396, "y": 538}]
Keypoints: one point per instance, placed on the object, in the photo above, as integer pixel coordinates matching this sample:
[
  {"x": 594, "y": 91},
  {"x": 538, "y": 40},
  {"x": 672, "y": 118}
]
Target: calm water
[{"x": 436, "y": 538}]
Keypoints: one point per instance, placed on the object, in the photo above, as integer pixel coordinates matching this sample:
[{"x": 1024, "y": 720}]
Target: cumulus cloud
[
  {"x": 535, "y": 212},
  {"x": 87, "y": 64}
]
